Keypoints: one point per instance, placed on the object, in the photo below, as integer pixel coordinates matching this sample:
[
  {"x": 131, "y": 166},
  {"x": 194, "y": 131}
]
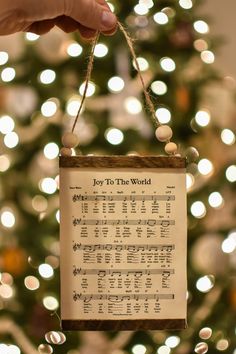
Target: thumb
[{"x": 94, "y": 14}]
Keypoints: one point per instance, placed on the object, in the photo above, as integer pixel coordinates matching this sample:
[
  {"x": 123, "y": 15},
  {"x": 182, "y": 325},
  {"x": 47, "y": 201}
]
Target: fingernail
[{"x": 108, "y": 19}]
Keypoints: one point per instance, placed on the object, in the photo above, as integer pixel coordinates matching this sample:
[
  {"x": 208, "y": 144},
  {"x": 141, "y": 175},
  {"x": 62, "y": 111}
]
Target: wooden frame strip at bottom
[{"x": 127, "y": 325}]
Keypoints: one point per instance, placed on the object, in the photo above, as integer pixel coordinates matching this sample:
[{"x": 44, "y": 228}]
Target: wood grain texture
[
  {"x": 127, "y": 325},
  {"x": 122, "y": 162}
]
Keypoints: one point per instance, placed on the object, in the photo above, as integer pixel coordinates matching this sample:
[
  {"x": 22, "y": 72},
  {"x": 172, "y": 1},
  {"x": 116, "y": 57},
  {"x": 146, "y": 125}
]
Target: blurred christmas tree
[{"x": 42, "y": 80}]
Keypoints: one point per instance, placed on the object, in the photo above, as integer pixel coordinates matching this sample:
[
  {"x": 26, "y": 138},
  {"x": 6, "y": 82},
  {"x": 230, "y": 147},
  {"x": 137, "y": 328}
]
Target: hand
[{"x": 39, "y": 16}]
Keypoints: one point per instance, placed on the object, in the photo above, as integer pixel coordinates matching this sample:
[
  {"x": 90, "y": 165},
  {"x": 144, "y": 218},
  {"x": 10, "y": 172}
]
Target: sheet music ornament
[{"x": 123, "y": 234}]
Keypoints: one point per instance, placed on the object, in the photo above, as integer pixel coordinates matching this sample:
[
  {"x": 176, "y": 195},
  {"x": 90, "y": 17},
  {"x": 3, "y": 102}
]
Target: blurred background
[{"x": 186, "y": 52}]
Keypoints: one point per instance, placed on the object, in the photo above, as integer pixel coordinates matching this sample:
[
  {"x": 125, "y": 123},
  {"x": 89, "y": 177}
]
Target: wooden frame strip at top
[{"x": 122, "y": 161}]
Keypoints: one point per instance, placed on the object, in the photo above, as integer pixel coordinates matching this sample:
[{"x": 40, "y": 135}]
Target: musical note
[
  {"x": 149, "y": 222},
  {"x": 119, "y": 272},
  {"x": 121, "y": 297},
  {"x": 132, "y": 248},
  {"x": 124, "y": 198}
]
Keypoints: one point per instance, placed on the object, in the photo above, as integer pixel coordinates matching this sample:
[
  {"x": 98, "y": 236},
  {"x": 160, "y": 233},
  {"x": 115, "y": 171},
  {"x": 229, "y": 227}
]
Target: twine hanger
[
  {"x": 90, "y": 68},
  {"x": 163, "y": 132}
]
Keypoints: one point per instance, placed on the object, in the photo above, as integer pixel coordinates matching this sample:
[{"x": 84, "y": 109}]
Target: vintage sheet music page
[{"x": 123, "y": 244}]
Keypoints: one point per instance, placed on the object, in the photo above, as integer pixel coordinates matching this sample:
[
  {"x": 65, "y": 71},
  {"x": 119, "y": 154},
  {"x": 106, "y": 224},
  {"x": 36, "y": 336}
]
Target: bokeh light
[
  {"x": 141, "y": 9},
  {"x": 9, "y": 349},
  {"x": 48, "y": 185},
  {"x": 74, "y": 49},
  {"x": 11, "y": 140},
  {"x": 205, "y": 167},
  {"x": 114, "y": 136},
  {"x": 159, "y": 87},
  {"x": 139, "y": 349},
  {"x": 228, "y": 137},
  {"x": 47, "y": 76},
  {"x": 50, "y": 303},
  {"x": 73, "y": 105},
  {"x": 200, "y": 45},
  {"x": 8, "y": 219},
  {"x": 205, "y": 333},
  {"x": 231, "y": 173},
  {"x": 207, "y": 56},
  {"x": 46, "y": 271},
  {"x": 51, "y": 151},
  {"x": 3, "y": 57},
  {"x": 161, "y": 18},
  {"x": 163, "y": 115},
  {"x": 167, "y": 64},
  {"x": 148, "y": 3},
  {"x": 164, "y": 349},
  {"x": 201, "y": 348},
  {"x": 205, "y": 284},
  {"x": 189, "y": 181},
  {"x": 142, "y": 62},
  {"x": 132, "y": 105},
  {"x": 31, "y": 282},
  {"x": 203, "y": 118},
  {"x": 8, "y": 74},
  {"x": 222, "y": 344},
  {"x": 7, "y": 124},
  {"x": 90, "y": 90},
  {"x": 100, "y": 50},
  {"x": 5, "y": 163},
  {"x": 201, "y": 27},
  {"x": 6, "y": 291},
  {"x": 31, "y": 37},
  {"x": 172, "y": 341},
  {"x": 215, "y": 200},
  {"x": 116, "y": 84},
  {"x": 186, "y": 4},
  {"x": 198, "y": 209},
  {"x": 229, "y": 244},
  {"x": 39, "y": 203},
  {"x": 48, "y": 108}
]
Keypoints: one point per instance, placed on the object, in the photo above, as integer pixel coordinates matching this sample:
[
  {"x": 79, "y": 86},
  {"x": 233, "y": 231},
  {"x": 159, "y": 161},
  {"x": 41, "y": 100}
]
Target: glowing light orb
[
  {"x": 90, "y": 90},
  {"x": 202, "y": 118},
  {"x": 198, "y": 209},
  {"x": 167, "y": 64},
  {"x": 100, "y": 50},
  {"x": 11, "y": 140},
  {"x": 201, "y": 26},
  {"x": 114, "y": 136},
  {"x": 47, "y": 76},
  {"x": 228, "y": 137},
  {"x": 46, "y": 271},
  {"x": 48, "y": 185},
  {"x": 205, "y": 284},
  {"x": 161, "y": 18},
  {"x": 3, "y": 57},
  {"x": 51, "y": 151},
  {"x": 116, "y": 84},
  {"x": 74, "y": 49},
  {"x": 163, "y": 115},
  {"x": 8, "y": 74},
  {"x": 159, "y": 87},
  {"x": 205, "y": 167}
]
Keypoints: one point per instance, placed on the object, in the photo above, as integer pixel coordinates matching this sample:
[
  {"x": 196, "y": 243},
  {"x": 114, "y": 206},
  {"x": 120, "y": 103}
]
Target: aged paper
[{"x": 123, "y": 243}]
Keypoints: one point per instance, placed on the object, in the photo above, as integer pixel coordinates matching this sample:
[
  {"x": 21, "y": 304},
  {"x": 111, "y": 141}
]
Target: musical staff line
[
  {"x": 118, "y": 247},
  {"x": 121, "y": 297},
  {"x": 119, "y": 272},
  {"x": 121, "y": 197},
  {"x": 148, "y": 222}
]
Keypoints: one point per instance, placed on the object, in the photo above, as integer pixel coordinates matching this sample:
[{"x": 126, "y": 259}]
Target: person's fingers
[
  {"x": 40, "y": 27},
  {"x": 67, "y": 24},
  {"x": 94, "y": 14}
]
